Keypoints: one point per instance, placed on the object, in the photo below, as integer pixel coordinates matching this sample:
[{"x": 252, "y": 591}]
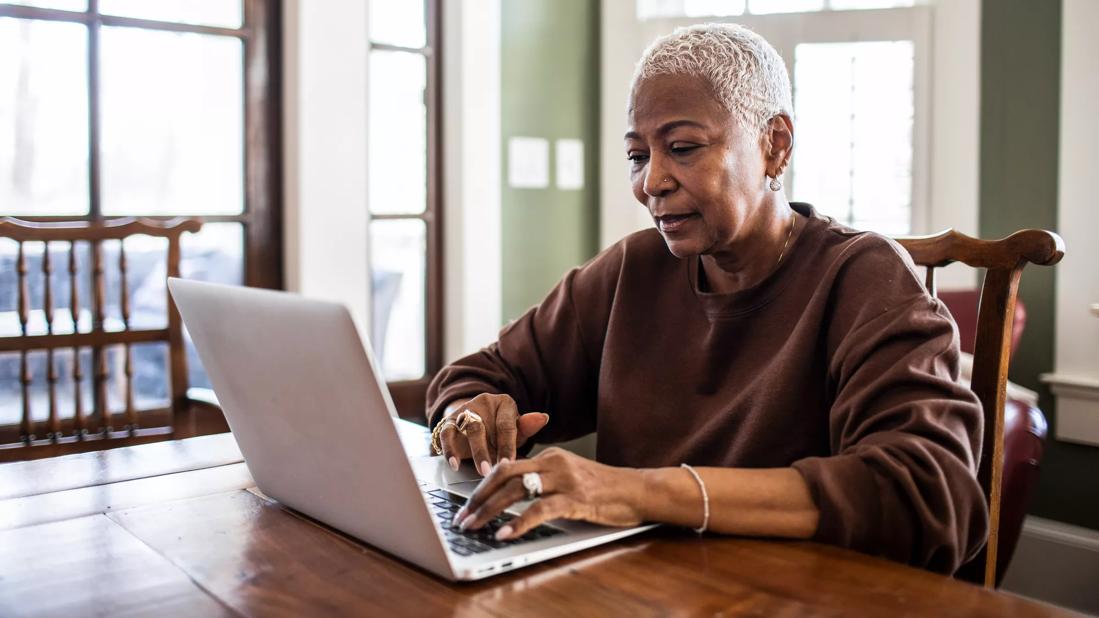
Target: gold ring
[
  {"x": 465, "y": 419},
  {"x": 436, "y": 435}
]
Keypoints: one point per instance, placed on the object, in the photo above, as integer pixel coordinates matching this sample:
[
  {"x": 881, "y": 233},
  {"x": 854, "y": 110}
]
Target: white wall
[
  {"x": 1076, "y": 378},
  {"x": 953, "y": 136},
  {"x": 955, "y": 127},
  {"x": 471, "y": 121}
]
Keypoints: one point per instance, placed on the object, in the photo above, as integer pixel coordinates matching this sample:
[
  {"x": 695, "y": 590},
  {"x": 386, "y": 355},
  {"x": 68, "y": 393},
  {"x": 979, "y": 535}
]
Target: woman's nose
[{"x": 657, "y": 180}]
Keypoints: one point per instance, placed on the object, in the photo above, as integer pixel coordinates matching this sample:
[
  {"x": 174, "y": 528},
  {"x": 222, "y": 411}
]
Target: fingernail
[
  {"x": 503, "y": 533},
  {"x": 486, "y": 467},
  {"x": 454, "y": 463},
  {"x": 465, "y": 523},
  {"x": 504, "y": 460}
]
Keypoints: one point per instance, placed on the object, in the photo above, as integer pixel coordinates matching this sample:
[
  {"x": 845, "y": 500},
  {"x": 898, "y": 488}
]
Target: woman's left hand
[{"x": 572, "y": 488}]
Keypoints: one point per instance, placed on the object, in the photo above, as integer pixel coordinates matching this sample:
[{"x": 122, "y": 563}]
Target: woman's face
[{"x": 699, "y": 174}]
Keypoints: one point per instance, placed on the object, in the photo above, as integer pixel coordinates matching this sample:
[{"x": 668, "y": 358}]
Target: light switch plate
[
  {"x": 570, "y": 164},
  {"x": 528, "y": 163}
]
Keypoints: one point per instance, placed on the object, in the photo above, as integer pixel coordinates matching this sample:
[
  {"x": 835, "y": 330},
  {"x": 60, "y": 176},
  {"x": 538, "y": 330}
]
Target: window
[
  {"x": 860, "y": 99},
  {"x": 854, "y": 110},
  {"x": 653, "y": 9},
  {"x": 403, "y": 125},
  {"x": 115, "y": 108}
]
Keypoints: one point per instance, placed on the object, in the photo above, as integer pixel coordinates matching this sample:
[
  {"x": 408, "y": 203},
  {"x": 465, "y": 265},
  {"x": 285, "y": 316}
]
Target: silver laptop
[{"x": 315, "y": 423}]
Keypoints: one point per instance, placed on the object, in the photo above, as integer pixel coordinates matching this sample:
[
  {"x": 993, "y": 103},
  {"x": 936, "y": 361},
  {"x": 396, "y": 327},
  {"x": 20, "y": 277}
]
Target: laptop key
[
  {"x": 461, "y": 551},
  {"x": 442, "y": 494}
]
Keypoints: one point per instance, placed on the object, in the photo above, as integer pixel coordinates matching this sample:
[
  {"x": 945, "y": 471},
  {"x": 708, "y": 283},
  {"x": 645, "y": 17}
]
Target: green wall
[
  {"x": 1020, "y": 105},
  {"x": 549, "y": 89}
]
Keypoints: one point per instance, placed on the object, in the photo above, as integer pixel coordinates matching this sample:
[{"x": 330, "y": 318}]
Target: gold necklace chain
[{"x": 793, "y": 217}]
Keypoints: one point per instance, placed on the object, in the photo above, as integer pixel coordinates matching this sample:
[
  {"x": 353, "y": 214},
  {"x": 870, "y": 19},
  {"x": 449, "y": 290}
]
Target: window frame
[
  {"x": 261, "y": 215},
  {"x": 409, "y": 396},
  {"x": 786, "y": 30}
]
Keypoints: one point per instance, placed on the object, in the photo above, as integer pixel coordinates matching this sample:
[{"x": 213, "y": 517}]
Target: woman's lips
[{"x": 669, "y": 224}]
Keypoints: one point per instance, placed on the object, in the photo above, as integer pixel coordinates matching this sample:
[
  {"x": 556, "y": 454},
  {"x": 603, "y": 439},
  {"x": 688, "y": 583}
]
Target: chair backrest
[
  {"x": 68, "y": 331},
  {"x": 1003, "y": 261}
]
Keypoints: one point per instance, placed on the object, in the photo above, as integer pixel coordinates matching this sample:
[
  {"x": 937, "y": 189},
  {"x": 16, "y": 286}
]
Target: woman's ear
[{"x": 778, "y": 144}]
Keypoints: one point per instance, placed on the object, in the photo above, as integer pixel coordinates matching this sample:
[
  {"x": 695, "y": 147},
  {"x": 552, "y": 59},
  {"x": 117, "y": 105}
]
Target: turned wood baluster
[
  {"x": 99, "y": 352},
  {"x": 26, "y": 427},
  {"x": 54, "y": 431},
  {"x": 79, "y": 423},
  {"x": 131, "y": 413},
  {"x": 177, "y": 351}
]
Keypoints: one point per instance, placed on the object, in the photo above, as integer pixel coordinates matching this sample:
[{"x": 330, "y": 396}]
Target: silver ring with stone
[{"x": 532, "y": 482}]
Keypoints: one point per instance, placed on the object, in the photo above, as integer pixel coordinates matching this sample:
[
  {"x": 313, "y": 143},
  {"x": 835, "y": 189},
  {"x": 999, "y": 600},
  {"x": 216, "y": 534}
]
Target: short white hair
[{"x": 746, "y": 73}]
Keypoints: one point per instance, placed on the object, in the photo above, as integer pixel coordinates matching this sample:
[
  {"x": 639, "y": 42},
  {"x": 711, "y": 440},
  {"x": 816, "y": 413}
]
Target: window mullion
[{"x": 95, "y": 208}]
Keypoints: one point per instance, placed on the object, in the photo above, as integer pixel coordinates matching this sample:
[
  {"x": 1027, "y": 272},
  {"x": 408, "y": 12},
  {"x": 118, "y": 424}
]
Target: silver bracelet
[{"x": 705, "y": 499}]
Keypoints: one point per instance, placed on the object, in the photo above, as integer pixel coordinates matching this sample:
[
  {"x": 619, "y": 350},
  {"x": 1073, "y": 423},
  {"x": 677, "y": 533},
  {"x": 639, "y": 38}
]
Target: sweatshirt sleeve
[
  {"x": 905, "y": 435},
  {"x": 548, "y": 359}
]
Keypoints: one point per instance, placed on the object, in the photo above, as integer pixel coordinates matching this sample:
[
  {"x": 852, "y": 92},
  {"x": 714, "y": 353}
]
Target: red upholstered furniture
[{"x": 1024, "y": 431}]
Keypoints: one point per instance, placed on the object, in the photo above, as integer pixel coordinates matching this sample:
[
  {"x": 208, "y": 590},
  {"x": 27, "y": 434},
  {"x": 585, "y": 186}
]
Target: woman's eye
[
  {"x": 683, "y": 148},
  {"x": 637, "y": 157}
]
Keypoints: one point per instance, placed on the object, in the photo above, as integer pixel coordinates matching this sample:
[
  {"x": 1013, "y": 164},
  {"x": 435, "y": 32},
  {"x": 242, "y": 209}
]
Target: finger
[
  {"x": 543, "y": 510},
  {"x": 507, "y": 429},
  {"x": 478, "y": 446},
  {"x": 508, "y": 494},
  {"x": 492, "y": 483},
  {"x": 530, "y": 424},
  {"x": 455, "y": 446}
]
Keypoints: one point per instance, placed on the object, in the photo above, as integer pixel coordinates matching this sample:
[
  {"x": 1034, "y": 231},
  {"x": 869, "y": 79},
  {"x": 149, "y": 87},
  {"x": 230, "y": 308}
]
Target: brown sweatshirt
[{"x": 838, "y": 364}]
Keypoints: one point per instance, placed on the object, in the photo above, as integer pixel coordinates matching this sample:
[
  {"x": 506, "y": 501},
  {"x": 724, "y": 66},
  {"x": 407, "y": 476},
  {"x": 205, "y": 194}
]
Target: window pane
[
  {"x": 64, "y": 5},
  {"x": 784, "y": 6},
  {"x": 840, "y": 5},
  {"x": 398, "y": 133},
  {"x": 397, "y": 258},
  {"x": 654, "y": 9},
  {"x": 398, "y": 22},
  {"x": 216, "y": 254},
  {"x": 714, "y": 8},
  {"x": 43, "y": 118},
  {"x": 11, "y": 393},
  {"x": 225, "y": 13},
  {"x": 173, "y": 123},
  {"x": 854, "y": 114}
]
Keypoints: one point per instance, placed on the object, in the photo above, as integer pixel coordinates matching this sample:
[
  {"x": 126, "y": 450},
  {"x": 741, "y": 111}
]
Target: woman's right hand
[{"x": 501, "y": 431}]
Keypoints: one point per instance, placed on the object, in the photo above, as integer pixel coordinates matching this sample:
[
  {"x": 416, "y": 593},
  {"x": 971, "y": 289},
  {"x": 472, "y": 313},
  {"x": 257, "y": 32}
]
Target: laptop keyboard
[{"x": 445, "y": 504}]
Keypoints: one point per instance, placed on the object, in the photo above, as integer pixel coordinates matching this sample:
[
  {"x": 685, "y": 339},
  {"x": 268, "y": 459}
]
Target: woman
[{"x": 798, "y": 366}]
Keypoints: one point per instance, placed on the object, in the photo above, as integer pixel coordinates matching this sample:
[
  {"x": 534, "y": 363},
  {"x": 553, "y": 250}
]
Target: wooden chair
[
  {"x": 32, "y": 439},
  {"x": 1003, "y": 261}
]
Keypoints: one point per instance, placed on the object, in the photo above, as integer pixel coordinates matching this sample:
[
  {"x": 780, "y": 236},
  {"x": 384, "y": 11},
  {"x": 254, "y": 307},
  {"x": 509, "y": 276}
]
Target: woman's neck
[{"x": 755, "y": 255}]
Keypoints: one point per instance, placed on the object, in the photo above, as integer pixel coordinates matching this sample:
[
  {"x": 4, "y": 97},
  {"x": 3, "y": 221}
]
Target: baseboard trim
[
  {"x": 1057, "y": 563},
  {"x": 1059, "y": 532}
]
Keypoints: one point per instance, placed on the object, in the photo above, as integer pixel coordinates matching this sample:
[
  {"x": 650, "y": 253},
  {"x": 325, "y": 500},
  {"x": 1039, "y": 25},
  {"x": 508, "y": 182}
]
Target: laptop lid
[{"x": 304, "y": 400}]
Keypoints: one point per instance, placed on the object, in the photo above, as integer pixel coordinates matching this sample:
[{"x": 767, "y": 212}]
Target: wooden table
[{"x": 176, "y": 528}]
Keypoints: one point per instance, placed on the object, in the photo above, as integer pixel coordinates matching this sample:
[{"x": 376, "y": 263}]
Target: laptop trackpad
[{"x": 436, "y": 471}]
